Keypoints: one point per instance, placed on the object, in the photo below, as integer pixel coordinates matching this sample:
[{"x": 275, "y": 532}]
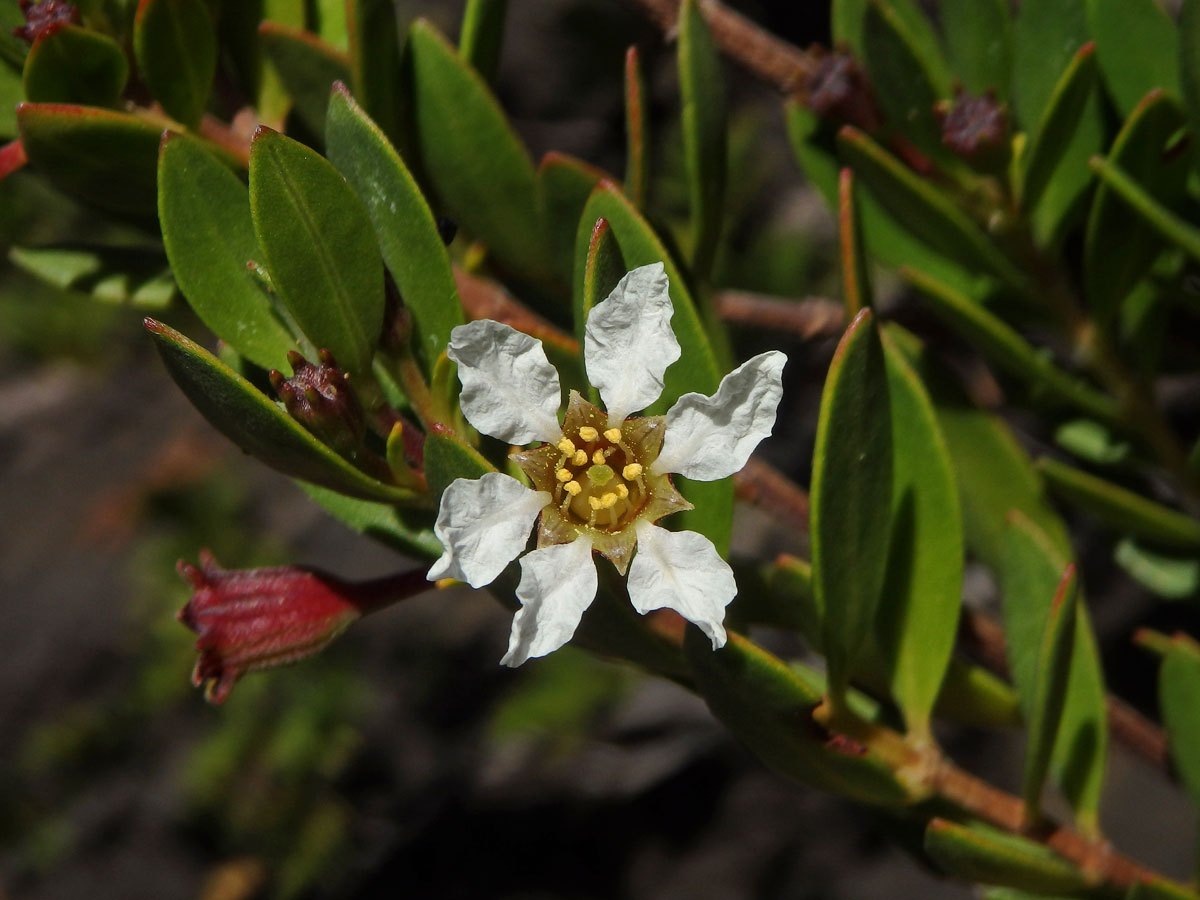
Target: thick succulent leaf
[
  {"x": 1171, "y": 226},
  {"x": 476, "y": 163},
  {"x": 931, "y": 215},
  {"x": 704, "y": 143},
  {"x": 696, "y": 369},
  {"x": 917, "y": 623},
  {"x": 261, "y": 428},
  {"x": 851, "y": 496},
  {"x": 99, "y": 156},
  {"x": 987, "y": 855},
  {"x": 1124, "y": 510},
  {"x": 375, "y": 61},
  {"x": 1030, "y": 576},
  {"x": 1137, "y": 47},
  {"x": 1050, "y": 689},
  {"x": 404, "y": 224},
  {"x": 564, "y": 184},
  {"x": 1179, "y": 699},
  {"x": 75, "y": 65},
  {"x": 139, "y": 278},
  {"x": 856, "y": 284},
  {"x": 447, "y": 457},
  {"x": 1172, "y": 576},
  {"x": 637, "y": 130},
  {"x": 307, "y": 67},
  {"x": 1057, "y": 126},
  {"x": 405, "y": 530},
  {"x": 176, "y": 50},
  {"x": 979, "y": 44},
  {"x": 482, "y": 35},
  {"x": 766, "y": 705},
  {"x": 204, "y": 212},
  {"x": 319, "y": 246}
]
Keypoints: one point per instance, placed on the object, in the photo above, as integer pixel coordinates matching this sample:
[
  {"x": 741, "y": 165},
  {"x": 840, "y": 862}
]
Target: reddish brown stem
[
  {"x": 766, "y": 487},
  {"x": 808, "y": 318}
]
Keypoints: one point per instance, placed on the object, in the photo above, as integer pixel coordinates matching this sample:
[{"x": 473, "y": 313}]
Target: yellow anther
[
  {"x": 567, "y": 446},
  {"x": 594, "y": 502},
  {"x": 608, "y": 501},
  {"x": 580, "y": 458},
  {"x": 613, "y": 435},
  {"x": 632, "y": 471},
  {"x": 573, "y": 488},
  {"x": 598, "y": 457},
  {"x": 564, "y": 475},
  {"x": 588, "y": 433},
  {"x": 622, "y": 491}
]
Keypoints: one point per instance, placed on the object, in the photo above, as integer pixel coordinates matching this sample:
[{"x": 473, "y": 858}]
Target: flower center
[{"x": 599, "y": 480}]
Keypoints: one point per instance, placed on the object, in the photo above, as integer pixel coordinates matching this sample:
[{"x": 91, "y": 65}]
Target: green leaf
[
  {"x": 932, "y": 216},
  {"x": 1092, "y": 442},
  {"x": 1050, "y": 689},
  {"x": 482, "y": 35},
  {"x": 637, "y": 130},
  {"x": 603, "y": 269},
  {"x": 101, "y": 157},
  {"x": 375, "y": 61},
  {"x": 1121, "y": 508},
  {"x": 1030, "y": 576},
  {"x": 74, "y": 65},
  {"x": 13, "y": 49},
  {"x": 382, "y": 522},
  {"x": 849, "y": 19},
  {"x": 447, "y": 457},
  {"x": 319, "y": 246},
  {"x": 1171, "y": 576},
  {"x": 702, "y": 86},
  {"x": 477, "y": 165},
  {"x": 973, "y": 696},
  {"x": 403, "y": 223},
  {"x": 856, "y": 283},
  {"x": 1137, "y": 47},
  {"x": 851, "y": 496},
  {"x": 240, "y": 412},
  {"x": 564, "y": 184},
  {"x": 916, "y": 628},
  {"x": 132, "y": 276},
  {"x": 1175, "y": 229},
  {"x": 1189, "y": 60},
  {"x": 176, "y": 50},
  {"x": 241, "y": 54},
  {"x": 979, "y": 44},
  {"x": 696, "y": 369},
  {"x": 307, "y": 67},
  {"x": 1159, "y": 889},
  {"x": 1057, "y": 126},
  {"x": 204, "y": 211},
  {"x": 990, "y": 856},
  {"x": 1179, "y": 700}
]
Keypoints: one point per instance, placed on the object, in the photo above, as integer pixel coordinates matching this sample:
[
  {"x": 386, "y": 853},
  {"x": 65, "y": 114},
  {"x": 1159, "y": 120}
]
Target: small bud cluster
[
  {"x": 976, "y": 128},
  {"x": 838, "y": 90},
  {"x": 44, "y": 18},
  {"x": 320, "y": 398}
]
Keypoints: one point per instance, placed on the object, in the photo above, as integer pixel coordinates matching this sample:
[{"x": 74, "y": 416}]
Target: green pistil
[{"x": 600, "y": 475}]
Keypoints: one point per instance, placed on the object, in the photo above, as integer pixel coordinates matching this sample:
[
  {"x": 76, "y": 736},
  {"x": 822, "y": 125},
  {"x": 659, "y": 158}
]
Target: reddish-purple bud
[
  {"x": 253, "y": 619},
  {"x": 321, "y": 399},
  {"x": 976, "y": 128},
  {"x": 838, "y": 89},
  {"x": 43, "y": 19}
]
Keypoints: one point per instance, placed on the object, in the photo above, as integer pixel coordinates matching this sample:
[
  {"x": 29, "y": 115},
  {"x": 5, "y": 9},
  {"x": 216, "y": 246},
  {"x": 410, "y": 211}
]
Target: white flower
[{"x": 602, "y": 478}]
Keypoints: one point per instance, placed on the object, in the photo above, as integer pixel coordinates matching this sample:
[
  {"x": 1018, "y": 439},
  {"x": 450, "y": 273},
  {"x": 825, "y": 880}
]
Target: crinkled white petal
[
  {"x": 681, "y": 570},
  {"x": 483, "y": 525},
  {"x": 509, "y": 388},
  {"x": 707, "y": 438},
  {"x": 557, "y": 584},
  {"x": 628, "y": 342}
]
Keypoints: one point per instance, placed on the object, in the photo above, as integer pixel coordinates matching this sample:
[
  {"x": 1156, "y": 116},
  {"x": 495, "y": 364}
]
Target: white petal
[
  {"x": 557, "y": 584},
  {"x": 681, "y": 570},
  {"x": 483, "y": 525},
  {"x": 510, "y": 390},
  {"x": 628, "y": 342},
  {"x": 707, "y": 438}
]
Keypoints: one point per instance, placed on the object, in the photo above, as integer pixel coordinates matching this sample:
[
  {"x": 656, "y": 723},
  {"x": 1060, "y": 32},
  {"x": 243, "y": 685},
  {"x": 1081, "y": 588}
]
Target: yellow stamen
[
  {"x": 588, "y": 433},
  {"x": 573, "y": 488},
  {"x": 566, "y": 446},
  {"x": 622, "y": 491},
  {"x": 632, "y": 471},
  {"x": 608, "y": 501},
  {"x": 613, "y": 434},
  {"x": 580, "y": 458},
  {"x": 564, "y": 475},
  {"x": 594, "y": 502},
  {"x": 598, "y": 457}
]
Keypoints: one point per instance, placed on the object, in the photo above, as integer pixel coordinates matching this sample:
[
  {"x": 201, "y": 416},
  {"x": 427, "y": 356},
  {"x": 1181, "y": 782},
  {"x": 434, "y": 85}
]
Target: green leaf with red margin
[
  {"x": 75, "y": 65},
  {"x": 259, "y": 427},
  {"x": 375, "y": 61},
  {"x": 319, "y": 245},
  {"x": 404, "y": 225},
  {"x": 176, "y": 49},
  {"x": 637, "y": 130},
  {"x": 204, "y": 213},
  {"x": 1137, "y": 47},
  {"x": 564, "y": 184},
  {"x": 856, "y": 282},
  {"x": 307, "y": 67},
  {"x": 851, "y": 497}
]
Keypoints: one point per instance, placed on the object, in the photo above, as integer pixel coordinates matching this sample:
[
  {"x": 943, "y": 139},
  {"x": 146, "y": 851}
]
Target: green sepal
[
  {"x": 383, "y": 522},
  {"x": 447, "y": 457},
  {"x": 987, "y": 855},
  {"x": 307, "y": 68},
  {"x": 1137, "y": 48},
  {"x": 403, "y": 223},
  {"x": 176, "y": 49},
  {"x": 75, "y": 65},
  {"x": 259, "y": 427},
  {"x": 319, "y": 245},
  {"x": 122, "y": 275},
  {"x": 482, "y": 35},
  {"x": 204, "y": 213},
  {"x": 851, "y": 496}
]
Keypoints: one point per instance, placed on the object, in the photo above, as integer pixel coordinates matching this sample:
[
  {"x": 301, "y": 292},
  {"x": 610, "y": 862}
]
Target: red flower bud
[
  {"x": 42, "y": 19},
  {"x": 254, "y": 619}
]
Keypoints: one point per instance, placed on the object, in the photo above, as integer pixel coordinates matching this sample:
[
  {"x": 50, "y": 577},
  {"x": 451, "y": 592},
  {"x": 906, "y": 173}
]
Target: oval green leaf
[
  {"x": 307, "y": 67},
  {"x": 176, "y": 50},
  {"x": 482, "y": 35},
  {"x": 979, "y": 44},
  {"x": 75, "y": 65},
  {"x": 1137, "y": 47},
  {"x": 383, "y": 522},
  {"x": 375, "y": 62},
  {"x": 564, "y": 184},
  {"x": 447, "y": 457}
]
